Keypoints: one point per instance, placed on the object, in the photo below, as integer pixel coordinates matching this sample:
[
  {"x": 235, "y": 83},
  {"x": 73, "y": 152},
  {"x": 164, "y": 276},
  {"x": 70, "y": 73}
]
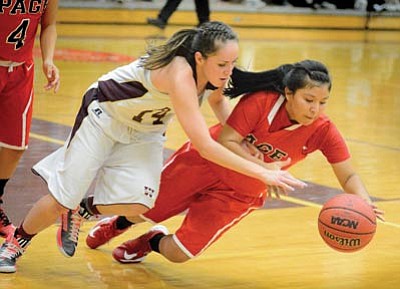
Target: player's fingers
[
  {"x": 57, "y": 85},
  {"x": 293, "y": 182},
  {"x": 285, "y": 188},
  {"x": 274, "y": 191},
  {"x": 278, "y": 192},
  {"x": 379, "y": 214}
]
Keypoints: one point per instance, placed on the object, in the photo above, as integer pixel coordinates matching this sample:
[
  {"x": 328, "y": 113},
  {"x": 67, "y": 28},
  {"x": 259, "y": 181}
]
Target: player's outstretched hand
[{"x": 281, "y": 182}]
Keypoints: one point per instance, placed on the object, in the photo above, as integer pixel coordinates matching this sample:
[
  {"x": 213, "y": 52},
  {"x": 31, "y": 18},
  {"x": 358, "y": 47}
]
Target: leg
[
  {"x": 127, "y": 185},
  {"x": 179, "y": 186},
  {"x": 225, "y": 208},
  {"x": 43, "y": 214},
  {"x": 16, "y": 97},
  {"x": 70, "y": 171},
  {"x": 168, "y": 9},
  {"x": 202, "y": 11},
  {"x": 9, "y": 159}
]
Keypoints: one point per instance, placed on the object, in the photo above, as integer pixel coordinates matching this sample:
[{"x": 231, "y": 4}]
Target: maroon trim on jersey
[
  {"x": 89, "y": 96},
  {"x": 111, "y": 90}
]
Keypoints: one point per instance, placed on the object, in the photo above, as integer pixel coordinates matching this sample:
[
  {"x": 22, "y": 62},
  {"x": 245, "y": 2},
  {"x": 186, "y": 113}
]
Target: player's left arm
[
  {"x": 220, "y": 105},
  {"x": 352, "y": 184},
  {"x": 48, "y": 38}
]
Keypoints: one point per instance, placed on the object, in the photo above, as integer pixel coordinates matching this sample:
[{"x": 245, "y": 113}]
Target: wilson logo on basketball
[
  {"x": 344, "y": 222},
  {"x": 343, "y": 241}
]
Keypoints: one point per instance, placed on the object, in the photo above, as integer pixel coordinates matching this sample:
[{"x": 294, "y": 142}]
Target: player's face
[
  {"x": 217, "y": 68},
  {"x": 306, "y": 104}
]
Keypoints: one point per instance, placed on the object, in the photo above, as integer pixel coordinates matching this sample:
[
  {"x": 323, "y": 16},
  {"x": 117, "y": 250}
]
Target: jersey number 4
[{"x": 17, "y": 37}]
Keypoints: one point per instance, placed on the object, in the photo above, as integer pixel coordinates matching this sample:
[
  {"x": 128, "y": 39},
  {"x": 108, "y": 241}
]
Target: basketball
[{"x": 347, "y": 223}]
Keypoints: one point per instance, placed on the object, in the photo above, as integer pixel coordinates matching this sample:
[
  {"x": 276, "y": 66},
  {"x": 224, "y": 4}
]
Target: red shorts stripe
[{"x": 16, "y": 99}]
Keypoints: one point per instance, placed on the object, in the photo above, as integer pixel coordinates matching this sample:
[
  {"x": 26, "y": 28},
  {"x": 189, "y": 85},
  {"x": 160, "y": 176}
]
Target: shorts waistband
[{"x": 10, "y": 64}]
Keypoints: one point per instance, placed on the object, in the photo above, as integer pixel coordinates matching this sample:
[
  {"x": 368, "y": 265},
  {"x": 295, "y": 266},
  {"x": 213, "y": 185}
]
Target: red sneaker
[
  {"x": 136, "y": 250},
  {"x": 103, "y": 232},
  {"x": 6, "y": 228}
]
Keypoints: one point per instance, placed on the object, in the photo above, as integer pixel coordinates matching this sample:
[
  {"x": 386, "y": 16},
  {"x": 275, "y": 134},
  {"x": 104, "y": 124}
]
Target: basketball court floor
[{"x": 275, "y": 247}]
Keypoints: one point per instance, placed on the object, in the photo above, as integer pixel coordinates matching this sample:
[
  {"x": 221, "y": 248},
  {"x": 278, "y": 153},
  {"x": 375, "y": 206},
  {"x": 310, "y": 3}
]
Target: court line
[
  {"x": 284, "y": 198},
  {"x": 318, "y": 206},
  {"x": 373, "y": 144}
]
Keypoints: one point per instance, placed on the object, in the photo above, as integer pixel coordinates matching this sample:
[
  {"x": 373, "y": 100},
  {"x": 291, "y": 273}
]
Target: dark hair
[
  {"x": 186, "y": 42},
  {"x": 293, "y": 76}
]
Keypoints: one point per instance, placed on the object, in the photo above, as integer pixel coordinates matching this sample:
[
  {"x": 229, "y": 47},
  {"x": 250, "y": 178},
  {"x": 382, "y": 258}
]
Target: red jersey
[
  {"x": 262, "y": 118},
  {"x": 19, "y": 22}
]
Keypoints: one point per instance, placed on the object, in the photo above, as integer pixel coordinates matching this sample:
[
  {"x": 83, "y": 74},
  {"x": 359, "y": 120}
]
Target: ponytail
[
  {"x": 247, "y": 82},
  {"x": 293, "y": 76}
]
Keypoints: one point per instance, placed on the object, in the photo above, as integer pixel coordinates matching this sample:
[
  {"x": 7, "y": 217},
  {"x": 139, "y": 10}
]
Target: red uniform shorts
[
  {"x": 212, "y": 207},
  {"x": 16, "y": 98}
]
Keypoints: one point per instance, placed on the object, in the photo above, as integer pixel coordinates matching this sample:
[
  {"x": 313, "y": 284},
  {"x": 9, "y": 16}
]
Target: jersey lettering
[
  {"x": 34, "y": 6},
  {"x": 18, "y": 36},
  {"x": 158, "y": 114},
  {"x": 4, "y": 5},
  {"x": 19, "y": 6},
  {"x": 277, "y": 154},
  {"x": 267, "y": 149},
  {"x": 251, "y": 138}
]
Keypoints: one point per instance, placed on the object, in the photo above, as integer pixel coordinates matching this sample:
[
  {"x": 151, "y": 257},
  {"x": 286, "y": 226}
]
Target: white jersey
[
  {"x": 118, "y": 136},
  {"x": 127, "y": 95}
]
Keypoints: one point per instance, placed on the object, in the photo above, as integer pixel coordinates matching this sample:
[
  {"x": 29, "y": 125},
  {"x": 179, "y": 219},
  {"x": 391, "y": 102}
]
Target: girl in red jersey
[
  {"x": 283, "y": 116},
  {"x": 19, "y": 23}
]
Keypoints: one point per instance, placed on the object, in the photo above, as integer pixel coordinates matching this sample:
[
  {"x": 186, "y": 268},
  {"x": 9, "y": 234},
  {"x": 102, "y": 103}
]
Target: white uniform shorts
[{"x": 127, "y": 163}]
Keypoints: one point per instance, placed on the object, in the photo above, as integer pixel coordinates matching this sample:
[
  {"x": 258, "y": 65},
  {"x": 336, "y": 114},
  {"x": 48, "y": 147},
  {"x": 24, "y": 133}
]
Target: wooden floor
[{"x": 275, "y": 247}]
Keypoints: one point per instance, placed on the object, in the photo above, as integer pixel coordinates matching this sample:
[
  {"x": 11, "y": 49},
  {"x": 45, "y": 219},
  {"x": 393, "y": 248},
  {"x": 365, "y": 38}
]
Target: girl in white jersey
[{"x": 119, "y": 133}]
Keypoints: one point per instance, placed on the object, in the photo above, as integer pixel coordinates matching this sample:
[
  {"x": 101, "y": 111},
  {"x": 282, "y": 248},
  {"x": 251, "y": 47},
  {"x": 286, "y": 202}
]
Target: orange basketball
[{"x": 347, "y": 223}]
